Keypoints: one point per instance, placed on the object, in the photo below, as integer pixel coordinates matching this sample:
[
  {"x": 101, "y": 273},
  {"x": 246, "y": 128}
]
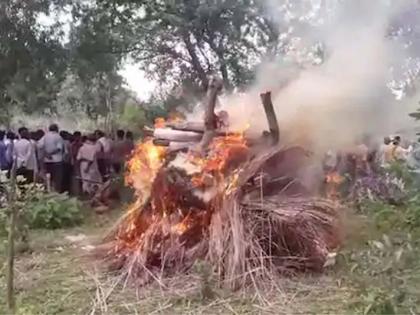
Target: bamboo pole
[{"x": 11, "y": 241}]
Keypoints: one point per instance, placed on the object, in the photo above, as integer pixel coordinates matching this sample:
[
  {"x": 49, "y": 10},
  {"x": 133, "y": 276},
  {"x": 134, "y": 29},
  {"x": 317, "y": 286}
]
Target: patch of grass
[
  {"x": 375, "y": 274},
  {"x": 58, "y": 278}
]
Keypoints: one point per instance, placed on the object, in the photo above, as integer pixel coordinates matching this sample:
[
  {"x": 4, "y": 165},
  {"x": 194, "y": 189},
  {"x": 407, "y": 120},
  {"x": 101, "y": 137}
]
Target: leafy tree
[
  {"x": 184, "y": 41},
  {"x": 96, "y": 52},
  {"x": 32, "y": 59}
]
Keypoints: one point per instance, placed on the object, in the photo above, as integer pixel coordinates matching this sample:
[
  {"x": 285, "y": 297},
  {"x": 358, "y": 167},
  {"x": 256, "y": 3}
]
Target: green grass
[{"x": 373, "y": 275}]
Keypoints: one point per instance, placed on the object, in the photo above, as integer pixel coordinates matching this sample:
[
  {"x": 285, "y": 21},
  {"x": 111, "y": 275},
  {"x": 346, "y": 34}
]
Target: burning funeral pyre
[{"x": 206, "y": 193}]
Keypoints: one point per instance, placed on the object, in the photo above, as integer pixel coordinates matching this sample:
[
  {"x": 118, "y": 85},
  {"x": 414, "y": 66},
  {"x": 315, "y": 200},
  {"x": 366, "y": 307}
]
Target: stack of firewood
[{"x": 186, "y": 135}]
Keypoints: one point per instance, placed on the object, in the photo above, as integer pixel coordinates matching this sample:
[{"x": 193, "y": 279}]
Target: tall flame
[
  {"x": 145, "y": 163},
  {"x": 160, "y": 204}
]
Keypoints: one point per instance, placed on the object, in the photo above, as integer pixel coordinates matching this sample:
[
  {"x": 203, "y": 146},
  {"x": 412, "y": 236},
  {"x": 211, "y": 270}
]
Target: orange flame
[
  {"x": 160, "y": 122},
  {"x": 226, "y": 153},
  {"x": 217, "y": 170},
  {"x": 143, "y": 167},
  {"x": 173, "y": 117}
]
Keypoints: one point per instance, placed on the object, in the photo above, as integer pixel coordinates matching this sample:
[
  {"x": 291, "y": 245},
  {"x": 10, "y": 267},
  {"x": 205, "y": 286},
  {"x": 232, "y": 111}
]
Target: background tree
[
  {"x": 185, "y": 41},
  {"x": 32, "y": 59}
]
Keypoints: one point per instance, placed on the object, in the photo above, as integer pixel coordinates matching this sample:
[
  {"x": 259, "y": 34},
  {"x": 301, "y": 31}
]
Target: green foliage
[
  {"x": 390, "y": 217},
  {"x": 32, "y": 57},
  {"x": 386, "y": 268},
  {"x": 405, "y": 215},
  {"x": 133, "y": 116},
  {"x": 402, "y": 171},
  {"x": 385, "y": 272},
  {"x": 40, "y": 210},
  {"x": 225, "y": 37},
  {"x": 53, "y": 211}
]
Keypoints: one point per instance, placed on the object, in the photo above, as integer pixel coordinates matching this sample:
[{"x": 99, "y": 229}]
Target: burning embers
[{"x": 196, "y": 203}]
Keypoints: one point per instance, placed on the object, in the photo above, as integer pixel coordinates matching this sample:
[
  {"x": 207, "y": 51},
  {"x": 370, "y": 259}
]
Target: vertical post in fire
[{"x": 271, "y": 117}]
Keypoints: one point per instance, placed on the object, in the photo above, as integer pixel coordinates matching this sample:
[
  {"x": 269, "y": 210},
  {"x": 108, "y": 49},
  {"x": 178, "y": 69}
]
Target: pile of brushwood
[{"x": 248, "y": 216}]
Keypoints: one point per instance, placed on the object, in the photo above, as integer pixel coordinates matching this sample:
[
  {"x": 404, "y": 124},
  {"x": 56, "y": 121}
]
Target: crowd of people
[
  {"x": 367, "y": 157},
  {"x": 65, "y": 162}
]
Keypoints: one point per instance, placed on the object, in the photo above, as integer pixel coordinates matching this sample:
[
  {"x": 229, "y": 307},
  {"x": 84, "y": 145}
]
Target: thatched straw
[{"x": 247, "y": 240}]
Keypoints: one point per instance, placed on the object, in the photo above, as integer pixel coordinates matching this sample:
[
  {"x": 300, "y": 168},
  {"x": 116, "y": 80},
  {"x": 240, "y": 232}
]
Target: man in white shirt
[
  {"x": 25, "y": 156},
  {"x": 382, "y": 158},
  {"x": 53, "y": 149},
  {"x": 104, "y": 150}
]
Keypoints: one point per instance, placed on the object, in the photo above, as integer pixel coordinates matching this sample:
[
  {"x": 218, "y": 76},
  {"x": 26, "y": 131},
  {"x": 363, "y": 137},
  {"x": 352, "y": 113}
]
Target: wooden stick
[
  {"x": 194, "y": 126},
  {"x": 271, "y": 117},
  {"x": 11, "y": 240},
  {"x": 161, "y": 142},
  {"x": 177, "y": 135},
  {"x": 210, "y": 119}
]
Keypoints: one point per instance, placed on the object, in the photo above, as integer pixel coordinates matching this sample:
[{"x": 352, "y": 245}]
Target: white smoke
[{"x": 335, "y": 103}]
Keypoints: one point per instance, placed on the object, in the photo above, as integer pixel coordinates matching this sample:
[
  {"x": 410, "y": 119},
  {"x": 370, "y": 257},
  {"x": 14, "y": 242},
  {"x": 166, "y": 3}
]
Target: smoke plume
[{"x": 334, "y": 103}]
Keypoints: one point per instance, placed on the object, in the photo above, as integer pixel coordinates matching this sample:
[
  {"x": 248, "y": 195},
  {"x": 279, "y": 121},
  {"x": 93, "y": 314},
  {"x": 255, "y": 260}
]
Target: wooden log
[
  {"x": 178, "y": 146},
  {"x": 176, "y": 135},
  {"x": 189, "y": 127},
  {"x": 271, "y": 117},
  {"x": 210, "y": 119},
  {"x": 194, "y": 126},
  {"x": 148, "y": 132},
  {"x": 222, "y": 121},
  {"x": 161, "y": 142},
  {"x": 172, "y": 145}
]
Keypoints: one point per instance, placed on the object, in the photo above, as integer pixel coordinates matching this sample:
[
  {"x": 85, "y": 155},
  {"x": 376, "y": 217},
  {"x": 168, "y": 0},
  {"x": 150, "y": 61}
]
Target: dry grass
[{"x": 58, "y": 278}]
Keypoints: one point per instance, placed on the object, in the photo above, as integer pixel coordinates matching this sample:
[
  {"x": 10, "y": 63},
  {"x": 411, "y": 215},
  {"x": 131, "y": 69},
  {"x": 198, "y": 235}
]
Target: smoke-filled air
[{"x": 343, "y": 97}]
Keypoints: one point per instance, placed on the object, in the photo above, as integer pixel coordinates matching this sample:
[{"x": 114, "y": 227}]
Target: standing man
[
  {"x": 4, "y": 163},
  {"x": 88, "y": 163},
  {"x": 76, "y": 144},
  {"x": 104, "y": 148},
  {"x": 394, "y": 152},
  {"x": 10, "y": 142},
  {"x": 119, "y": 152},
  {"x": 67, "y": 165},
  {"x": 399, "y": 153},
  {"x": 382, "y": 154},
  {"x": 129, "y": 138},
  {"x": 52, "y": 146},
  {"x": 24, "y": 153}
]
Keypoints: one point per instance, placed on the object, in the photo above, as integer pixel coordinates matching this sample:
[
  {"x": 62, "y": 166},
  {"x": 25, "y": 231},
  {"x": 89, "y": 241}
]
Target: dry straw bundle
[{"x": 248, "y": 238}]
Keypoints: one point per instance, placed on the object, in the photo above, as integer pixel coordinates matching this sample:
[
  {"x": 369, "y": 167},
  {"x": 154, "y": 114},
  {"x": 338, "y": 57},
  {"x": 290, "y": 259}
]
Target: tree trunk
[
  {"x": 195, "y": 61},
  {"x": 219, "y": 51},
  {"x": 210, "y": 119}
]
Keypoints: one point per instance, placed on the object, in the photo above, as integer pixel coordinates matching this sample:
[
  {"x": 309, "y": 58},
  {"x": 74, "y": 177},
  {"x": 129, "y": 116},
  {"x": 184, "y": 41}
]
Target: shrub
[
  {"x": 53, "y": 211},
  {"x": 40, "y": 210}
]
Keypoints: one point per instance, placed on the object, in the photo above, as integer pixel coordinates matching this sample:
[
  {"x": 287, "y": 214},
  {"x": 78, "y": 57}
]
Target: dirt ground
[{"x": 59, "y": 277}]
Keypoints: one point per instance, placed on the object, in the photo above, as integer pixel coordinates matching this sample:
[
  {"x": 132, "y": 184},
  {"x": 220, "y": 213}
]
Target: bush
[
  {"x": 53, "y": 211},
  {"x": 40, "y": 210}
]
